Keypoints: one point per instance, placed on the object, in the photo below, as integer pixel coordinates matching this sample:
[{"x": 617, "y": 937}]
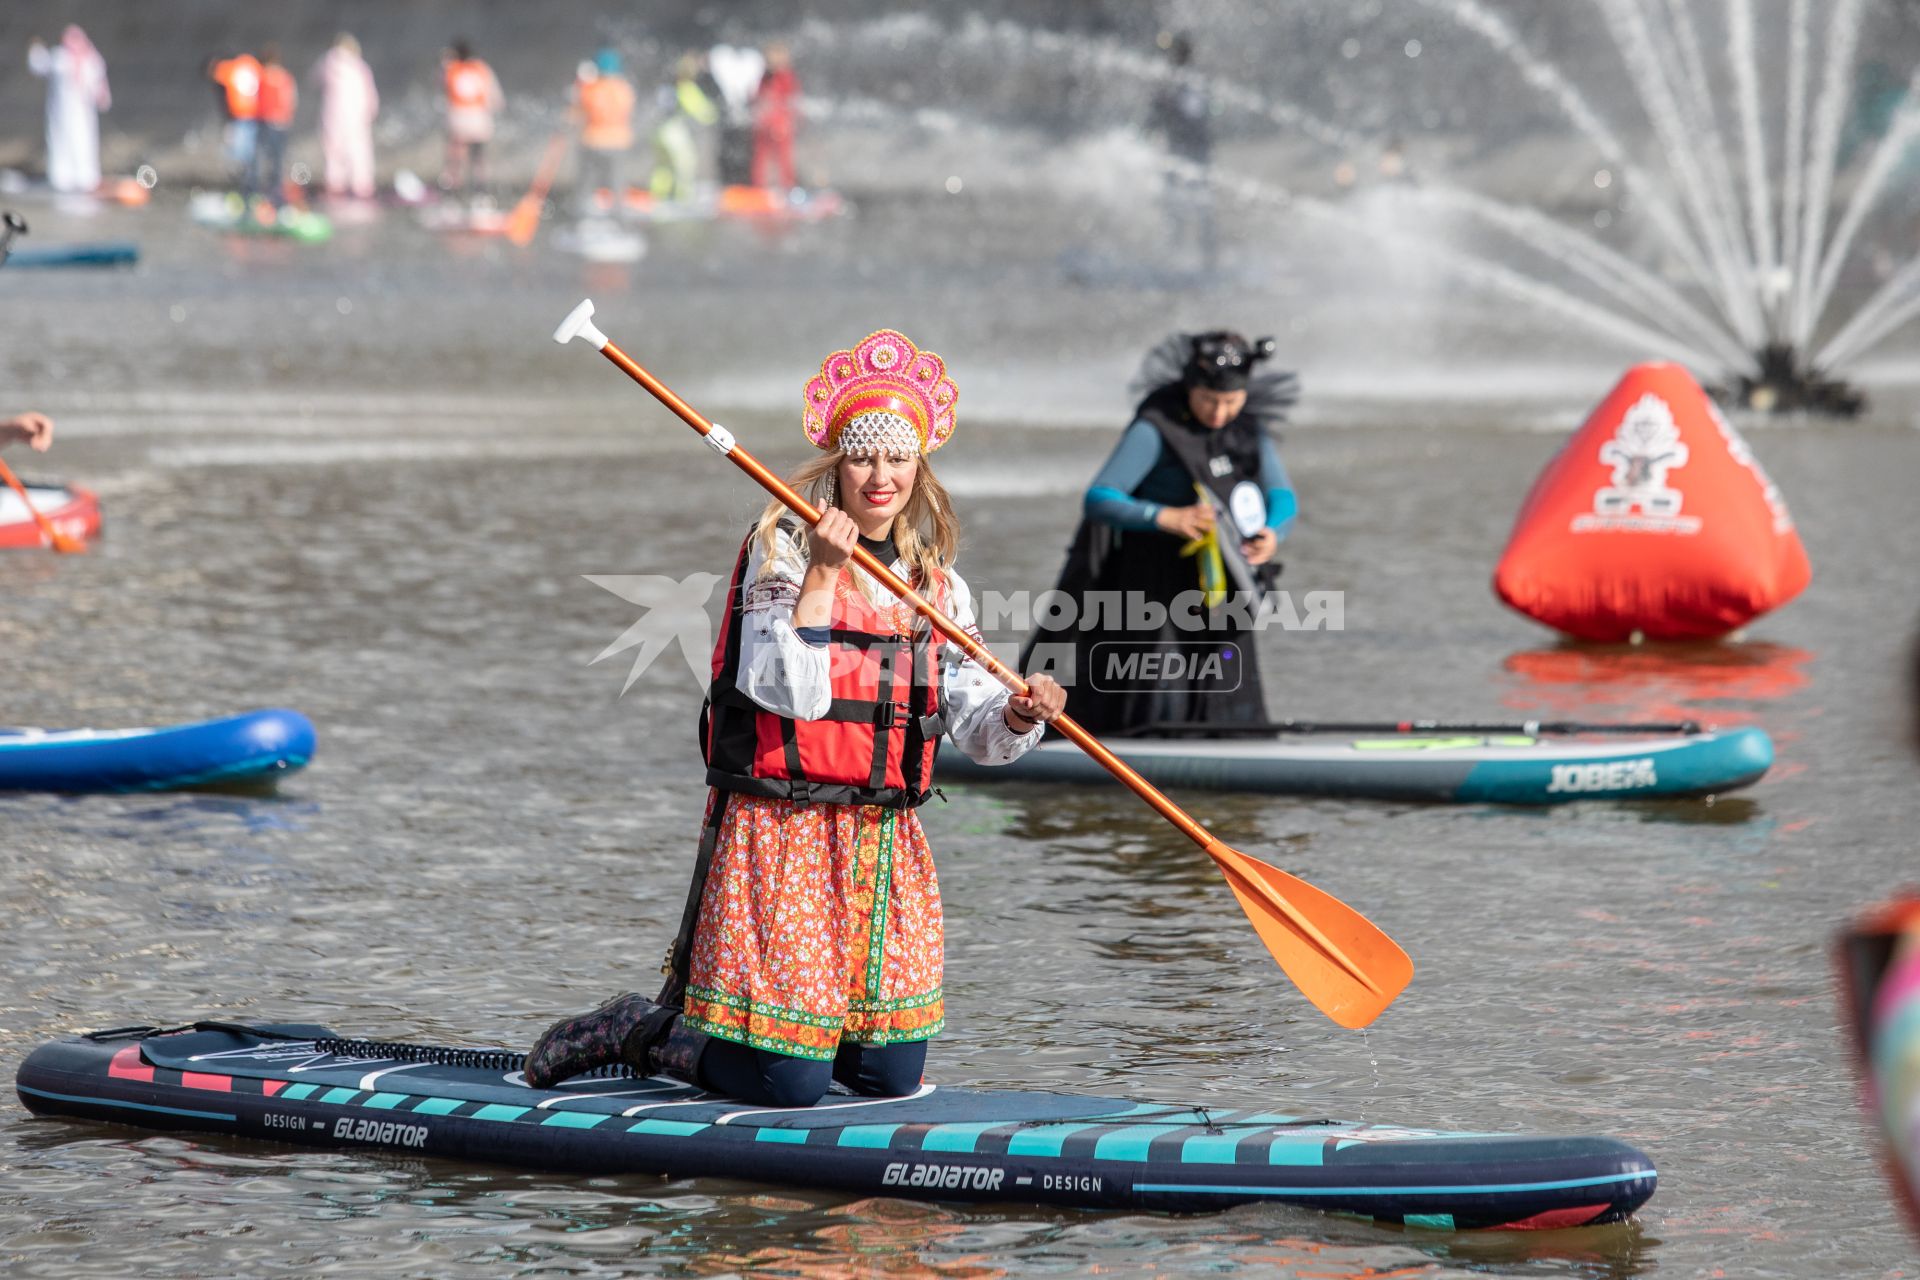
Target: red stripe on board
[
  {"x": 1553, "y": 1219},
  {"x": 201, "y": 1080},
  {"x": 272, "y": 1087},
  {"x": 126, "y": 1065}
]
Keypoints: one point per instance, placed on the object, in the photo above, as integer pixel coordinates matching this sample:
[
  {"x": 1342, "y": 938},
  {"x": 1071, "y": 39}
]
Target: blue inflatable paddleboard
[
  {"x": 99, "y": 253},
  {"x": 254, "y": 747}
]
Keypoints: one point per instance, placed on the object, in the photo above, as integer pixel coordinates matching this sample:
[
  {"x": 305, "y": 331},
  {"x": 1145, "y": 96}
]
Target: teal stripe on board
[
  {"x": 1397, "y": 1189},
  {"x": 295, "y": 1092},
  {"x": 1432, "y": 1221},
  {"x": 781, "y": 1135},
  {"x": 1045, "y": 1141},
  {"x": 957, "y": 1137},
  {"x": 1128, "y": 1144},
  {"x": 498, "y": 1111},
  {"x": 1303, "y": 1150},
  {"x": 573, "y": 1119},
  {"x": 385, "y": 1101},
  {"x": 127, "y": 1106},
  {"x": 339, "y": 1095},
  {"x": 868, "y": 1135},
  {"x": 438, "y": 1106},
  {"x": 667, "y": 1128},
  {"x": 1214, "y": 1148}
]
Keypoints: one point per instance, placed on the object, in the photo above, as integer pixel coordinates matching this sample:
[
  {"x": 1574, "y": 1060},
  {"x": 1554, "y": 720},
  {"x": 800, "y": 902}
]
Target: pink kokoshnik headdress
[{"x": 886, "y": 393}]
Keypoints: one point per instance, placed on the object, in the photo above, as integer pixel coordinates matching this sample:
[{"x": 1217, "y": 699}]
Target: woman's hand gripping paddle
[
  {"x": 57, "y": 540},
  {"x": 1337, "y": 957}
]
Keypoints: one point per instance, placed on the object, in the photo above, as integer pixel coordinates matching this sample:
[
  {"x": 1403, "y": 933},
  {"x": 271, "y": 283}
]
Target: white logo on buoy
[
  {"x": 1769, "y": 491},
  {"x": 1645, "y": 447}
]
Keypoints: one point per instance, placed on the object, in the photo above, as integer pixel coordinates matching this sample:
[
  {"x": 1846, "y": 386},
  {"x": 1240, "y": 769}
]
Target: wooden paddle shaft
[
  {"x": 973, "y": 648},
  {"x": 549, "y": 165}
]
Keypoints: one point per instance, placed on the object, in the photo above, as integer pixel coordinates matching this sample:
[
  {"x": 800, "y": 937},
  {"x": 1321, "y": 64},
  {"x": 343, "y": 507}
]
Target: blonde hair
[{"x": 926, "y": 533}]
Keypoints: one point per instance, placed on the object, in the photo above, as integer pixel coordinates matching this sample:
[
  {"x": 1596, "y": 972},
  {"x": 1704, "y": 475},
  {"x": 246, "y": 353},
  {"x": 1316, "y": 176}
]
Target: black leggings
[{"x": 769, "y": 1079}]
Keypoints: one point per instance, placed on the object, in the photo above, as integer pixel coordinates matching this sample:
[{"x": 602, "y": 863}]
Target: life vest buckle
[{"x": 885, "y": 714}]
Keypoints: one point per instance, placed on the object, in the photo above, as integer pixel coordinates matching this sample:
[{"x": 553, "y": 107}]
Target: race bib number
[{"x": 1248, "y": 508}]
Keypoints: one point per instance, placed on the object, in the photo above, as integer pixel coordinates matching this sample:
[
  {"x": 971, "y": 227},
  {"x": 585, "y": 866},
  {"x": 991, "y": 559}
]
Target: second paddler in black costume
[{"x": 1177, "y": 546}]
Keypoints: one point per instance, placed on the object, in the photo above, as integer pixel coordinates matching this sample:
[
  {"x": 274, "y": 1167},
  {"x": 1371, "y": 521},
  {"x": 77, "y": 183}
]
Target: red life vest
[
  {"x": 279, "y": 96},
  {"x": 875, "y": 745}
]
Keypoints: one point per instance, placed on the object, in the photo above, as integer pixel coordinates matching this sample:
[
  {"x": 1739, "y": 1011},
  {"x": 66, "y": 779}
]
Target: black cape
[{"x": 1127, "y": 680}]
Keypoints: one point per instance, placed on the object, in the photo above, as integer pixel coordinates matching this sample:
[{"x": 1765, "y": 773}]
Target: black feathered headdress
[{"x": 1220, "y": 360}]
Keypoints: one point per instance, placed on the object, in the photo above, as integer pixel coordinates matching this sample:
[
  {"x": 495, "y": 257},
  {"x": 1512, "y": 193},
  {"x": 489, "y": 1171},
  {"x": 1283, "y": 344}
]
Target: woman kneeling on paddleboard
[{"x": 812, "y": 946}]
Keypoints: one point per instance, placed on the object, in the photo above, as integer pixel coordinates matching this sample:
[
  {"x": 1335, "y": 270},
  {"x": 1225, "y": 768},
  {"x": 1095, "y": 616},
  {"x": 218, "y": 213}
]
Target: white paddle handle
[{"x": 579, "y": 324}]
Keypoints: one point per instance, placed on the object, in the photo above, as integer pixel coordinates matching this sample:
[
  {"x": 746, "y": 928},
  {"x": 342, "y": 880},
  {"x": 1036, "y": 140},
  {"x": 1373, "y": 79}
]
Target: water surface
[{"x": 382, "y": 515}]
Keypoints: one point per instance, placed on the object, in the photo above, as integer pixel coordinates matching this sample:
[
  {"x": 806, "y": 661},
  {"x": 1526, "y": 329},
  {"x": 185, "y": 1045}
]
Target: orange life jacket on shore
[
  {"x": 240, "y": 77},
  {"x": 469, "y": 85},
  {"x": 606, "y": 111}
]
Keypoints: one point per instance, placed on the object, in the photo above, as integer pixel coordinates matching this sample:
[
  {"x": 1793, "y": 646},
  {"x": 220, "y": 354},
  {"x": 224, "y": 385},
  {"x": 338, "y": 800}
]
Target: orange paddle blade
[
  {"x": 1338, "y": 958},
  {"x": 57, "y": 540},
  {"x": 524, "y": 220}
]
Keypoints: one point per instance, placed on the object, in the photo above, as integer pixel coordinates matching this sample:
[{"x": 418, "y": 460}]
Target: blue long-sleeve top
[{"x": 1143, "y": 475}]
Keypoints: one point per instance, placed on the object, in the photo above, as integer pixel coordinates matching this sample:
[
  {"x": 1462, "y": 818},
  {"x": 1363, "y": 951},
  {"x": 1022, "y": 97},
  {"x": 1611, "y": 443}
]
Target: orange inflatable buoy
[{"x": 1654, "y": 518}]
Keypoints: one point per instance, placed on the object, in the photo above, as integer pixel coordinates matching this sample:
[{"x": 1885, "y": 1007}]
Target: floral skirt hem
[{"x": 802, "y": 1035}]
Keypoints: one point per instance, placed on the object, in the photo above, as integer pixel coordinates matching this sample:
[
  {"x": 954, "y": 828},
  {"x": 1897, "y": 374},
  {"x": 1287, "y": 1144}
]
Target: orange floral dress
[
  {"x": 819, "y": 923},
  {"x": 822, "y": 922}
]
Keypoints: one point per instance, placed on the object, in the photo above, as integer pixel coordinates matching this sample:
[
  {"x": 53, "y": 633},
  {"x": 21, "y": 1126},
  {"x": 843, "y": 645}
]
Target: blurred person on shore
[
  {"x": 77, "y": 93},
  {"x": 1182, "y": 114},
  {"x": 238, "y": 79},
  {"x": 736, "y": 70},
  {"x": 603, "y": 108},
  {"x": 676, "y": 147},
  {"x": 776, "y": 119},
  {"x": 34, "y": 430},
  {"x": 473, "y": 100},
  {"x": 279, "y": 102},
  {"x": 348, "y": 104}
]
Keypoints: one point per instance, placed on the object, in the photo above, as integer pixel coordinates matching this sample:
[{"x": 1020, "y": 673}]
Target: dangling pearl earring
[{"x": 833, "y": 488}]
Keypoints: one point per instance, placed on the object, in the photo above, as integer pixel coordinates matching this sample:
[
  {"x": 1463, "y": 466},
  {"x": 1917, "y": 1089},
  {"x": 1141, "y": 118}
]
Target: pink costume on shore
[
  {"x": 77, "y": 93},
  {"x": 348, "y": 104}
]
